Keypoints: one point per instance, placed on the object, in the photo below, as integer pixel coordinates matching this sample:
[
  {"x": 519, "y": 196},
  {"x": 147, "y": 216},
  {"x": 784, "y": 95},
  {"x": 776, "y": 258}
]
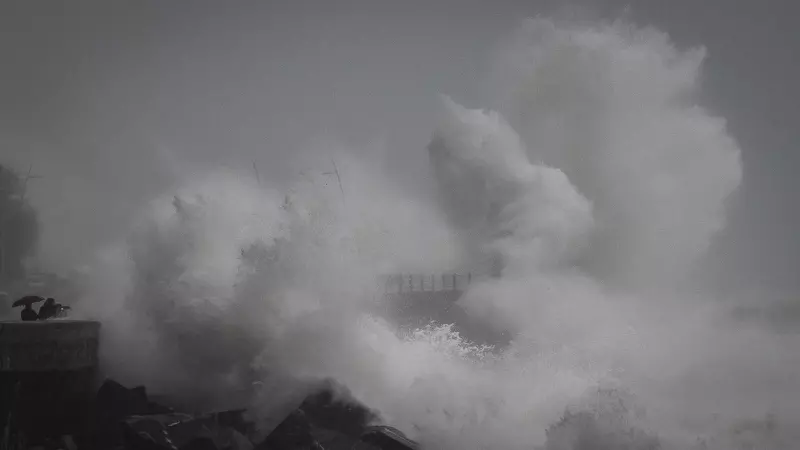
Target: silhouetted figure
[
  {"x": 49, "y": 309},
  {"x": 28, "y": 314}
]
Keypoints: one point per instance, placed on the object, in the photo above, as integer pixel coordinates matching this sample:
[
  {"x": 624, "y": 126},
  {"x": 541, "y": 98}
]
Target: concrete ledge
[{"x": 52, "y": 345}]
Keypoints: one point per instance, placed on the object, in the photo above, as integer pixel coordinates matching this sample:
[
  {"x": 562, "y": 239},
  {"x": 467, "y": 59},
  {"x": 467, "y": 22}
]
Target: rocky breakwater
[
  {"x": 127, "y": 419},
  {"x": 49, "y": 401}
]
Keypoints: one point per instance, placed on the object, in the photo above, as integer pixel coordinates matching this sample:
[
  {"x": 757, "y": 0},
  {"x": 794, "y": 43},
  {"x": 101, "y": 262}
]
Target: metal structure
[{"x": 411, "y": 283}]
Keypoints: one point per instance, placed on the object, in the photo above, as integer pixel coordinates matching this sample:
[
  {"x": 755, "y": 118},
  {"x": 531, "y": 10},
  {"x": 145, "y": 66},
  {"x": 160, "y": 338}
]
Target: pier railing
[{"x": 408, "y": 283}]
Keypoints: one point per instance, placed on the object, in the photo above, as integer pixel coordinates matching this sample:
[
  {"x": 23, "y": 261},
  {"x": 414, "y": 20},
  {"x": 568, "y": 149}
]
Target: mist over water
[{"x": 598, "y": 183}]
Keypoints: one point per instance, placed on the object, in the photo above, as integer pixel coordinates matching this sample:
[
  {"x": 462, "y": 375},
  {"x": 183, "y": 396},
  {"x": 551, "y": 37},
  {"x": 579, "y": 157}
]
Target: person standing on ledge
[
  {"x": 49, "y": 309},
  {"x": 28, "y": 314}
]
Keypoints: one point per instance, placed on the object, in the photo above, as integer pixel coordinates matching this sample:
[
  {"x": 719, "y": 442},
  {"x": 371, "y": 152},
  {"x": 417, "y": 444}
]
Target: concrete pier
[{"x": 47, "y": 379}]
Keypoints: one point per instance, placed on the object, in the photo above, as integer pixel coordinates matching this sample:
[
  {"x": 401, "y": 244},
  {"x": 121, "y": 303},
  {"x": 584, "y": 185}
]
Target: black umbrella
[{"x": 27, "y": 300}]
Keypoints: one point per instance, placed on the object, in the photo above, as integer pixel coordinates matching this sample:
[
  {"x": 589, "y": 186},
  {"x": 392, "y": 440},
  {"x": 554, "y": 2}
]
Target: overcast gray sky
[{"x": 91, "y": 92}]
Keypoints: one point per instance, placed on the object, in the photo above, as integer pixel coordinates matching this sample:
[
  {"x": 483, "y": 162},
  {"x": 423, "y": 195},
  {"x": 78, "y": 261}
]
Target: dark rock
[
  {"x": 150, "y": 432},
  {"x": 114, "y": 399},
  {"x": 329, "y": 418},
  {"x": 295, "y": 432},
  {"x": 332, "y": 408},
  {"x": 235, "y": 419},
  {"x": 385, "y": 438},
  {"x": 113, "y": 403},
  {"x": 181, "y": 432},
  {"x": 333, "y": 439},
  {"x": 241, "y": 441},
  {"x": 202, "y": 443}
]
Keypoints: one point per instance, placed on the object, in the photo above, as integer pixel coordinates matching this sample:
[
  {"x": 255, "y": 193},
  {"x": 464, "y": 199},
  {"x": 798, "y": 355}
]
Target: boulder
[
  {"x": 181, "y": 432},
  {"x": 333, "y": 408},
  {"x": 295, "y": 432},
  {"x": 113, "y": 403},
  {"x": 385, "y": 438},
  {"x": 331, "y": 419}
]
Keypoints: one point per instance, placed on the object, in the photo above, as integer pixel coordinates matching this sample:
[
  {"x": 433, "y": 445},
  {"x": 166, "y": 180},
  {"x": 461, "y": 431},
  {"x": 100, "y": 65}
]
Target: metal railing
[{"x": 408, "y": 283}]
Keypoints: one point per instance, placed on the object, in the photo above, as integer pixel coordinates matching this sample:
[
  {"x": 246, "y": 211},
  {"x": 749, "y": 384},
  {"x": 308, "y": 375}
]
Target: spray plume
[{"x": 597, "y": 184}]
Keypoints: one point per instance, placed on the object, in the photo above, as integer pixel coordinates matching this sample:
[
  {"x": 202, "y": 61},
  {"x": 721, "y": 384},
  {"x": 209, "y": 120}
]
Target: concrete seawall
[
  {"x": 48, "y": 373},
  {"x": 53, "y": 345}
]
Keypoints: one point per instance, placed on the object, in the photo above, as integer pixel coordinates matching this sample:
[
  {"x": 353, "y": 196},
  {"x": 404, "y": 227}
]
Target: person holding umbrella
[
  {"x": 28, "y": 314},
  {"x": 51, "y": 309}
]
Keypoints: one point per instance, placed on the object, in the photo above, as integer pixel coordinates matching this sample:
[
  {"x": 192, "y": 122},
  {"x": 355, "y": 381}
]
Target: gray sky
[{"x": 91, "y": 92}]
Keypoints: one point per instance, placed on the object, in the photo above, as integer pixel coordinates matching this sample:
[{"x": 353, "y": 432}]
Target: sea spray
[
  {"x": 597, "y": 184},
  {"x": 614, "y": 106}
]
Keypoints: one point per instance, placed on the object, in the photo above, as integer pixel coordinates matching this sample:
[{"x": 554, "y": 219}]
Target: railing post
[{"x": 406, "y": 284}]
